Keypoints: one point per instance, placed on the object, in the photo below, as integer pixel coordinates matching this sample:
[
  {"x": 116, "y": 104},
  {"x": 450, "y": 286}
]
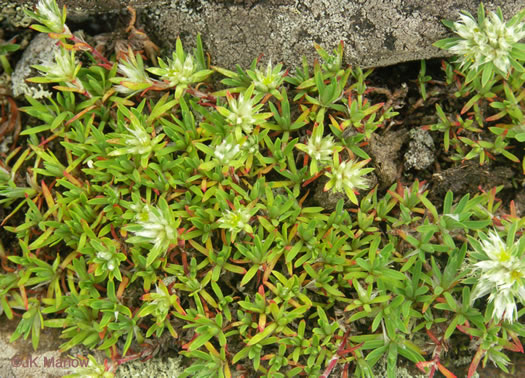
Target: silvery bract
[
  {"x": 488, "y": 44},
  {"x": 183, "y": 69},
  {"x": 319, "y": 148},
  {"x": 226, "y": 151},
  {"x": 136, "y": 139},
  {"x": 242, "y": 112},
  {"x": 177, "y": 71},
  {"x": 133, "y": 77},
  {"x": 49, "y": 14},
  {"x": 64, "y": 68},
  {"x": 347, "y": 177},
  {"x": 501, "y": 274},
  {"x": 236, "y": 220},
  {"x": 155, "y": 227},
  {"x": 268, "y": 80}
]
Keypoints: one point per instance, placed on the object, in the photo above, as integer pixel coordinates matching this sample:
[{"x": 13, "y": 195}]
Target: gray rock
[
  {"x": 375, "y": 32},
  {"x": 421, "y": 150}
]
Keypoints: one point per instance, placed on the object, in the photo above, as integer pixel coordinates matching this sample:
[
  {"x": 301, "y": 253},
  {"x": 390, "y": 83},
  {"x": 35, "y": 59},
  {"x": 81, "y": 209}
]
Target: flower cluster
[
  {"x": 500, "y": 269},
  {"x": 180, "y": 71},
  {"x": 64, "y": 69},
  {"x": 226, "y": 152},
  {"x": 243, "y": 112},
  {"x": 155, "y": 225},
  {"x": 133, "y": 77},
  {"x": 319, "y": 148},
  {"x": 49, "y": 14},
  {"x": 237, "y": 220},
  {"x": 107, "y": 258},
  {"x": 487, "y": 43},
  {"x": 185, "y": 211},
  {"x": 269, "y": 80},
  {"x": 176, "y": 71},
  {"x": 251, "y": 145},
  {"x": 347, "y": 176},
  {"x": 137, "y": 140},
  {"x": 161, "y": 298}
]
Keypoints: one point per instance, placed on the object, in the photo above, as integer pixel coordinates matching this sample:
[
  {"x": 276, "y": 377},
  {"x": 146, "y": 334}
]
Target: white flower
[
  {"x": 51, "y": 16},
  {"x": 502, "y": 275},
  {"x": 242, "y": 113},
  {"x": 46, "y": 8},
  {"x": 177, "y": 71},
  {"x": 139, "y": 141},
  {"x": 489, "y": 42},
  {"x": 226, "y": 152},
  {"x": 269, "y": 80},
  {"x": 235, "y": 219},
  {"x": 251, "y": 145},
  {"x": 155, "y": 226},
  {"x": 348, "y": 175},
  {"x": 320, "y": 149},
  {"x": 162, "y": 302},
  {"x": 63, "y": 68},
  {"x": 108, "y": 257},
  {"x": 182, "y": 70},
  {"x": 134, "y": 77},
  {"x": 65, "y": 64}
]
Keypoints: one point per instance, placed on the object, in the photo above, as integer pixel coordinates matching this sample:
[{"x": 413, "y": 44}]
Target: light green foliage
[
  {"x": 243, "y": 112},
  {"x": 5, "y": 49},
  {"x": 152, "y": 211},
  {"x": 268, "y": 81}
]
